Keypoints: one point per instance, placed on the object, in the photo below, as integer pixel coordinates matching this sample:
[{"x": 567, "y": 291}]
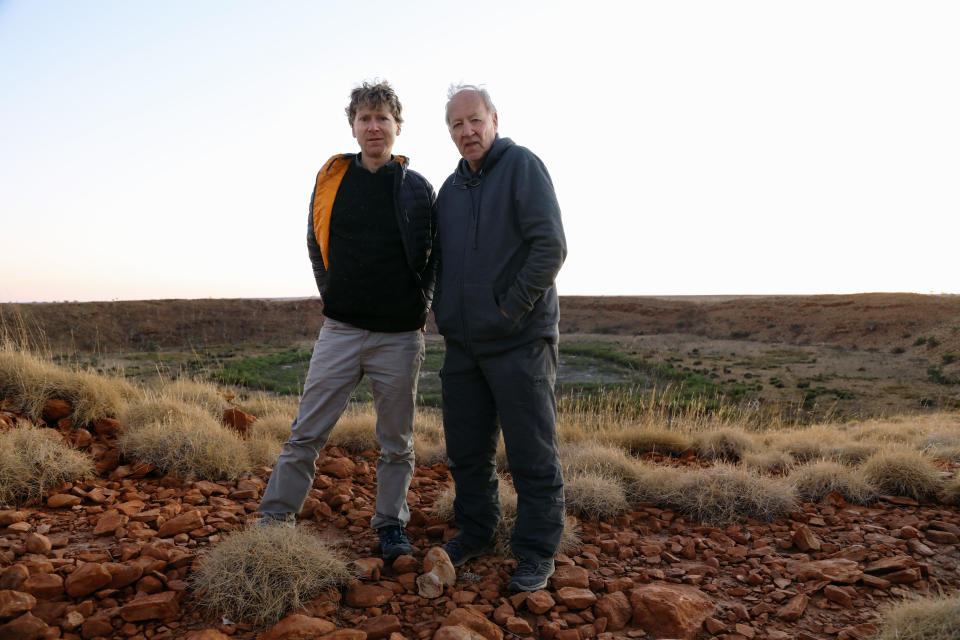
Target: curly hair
[{"x": 374, "y": 95}]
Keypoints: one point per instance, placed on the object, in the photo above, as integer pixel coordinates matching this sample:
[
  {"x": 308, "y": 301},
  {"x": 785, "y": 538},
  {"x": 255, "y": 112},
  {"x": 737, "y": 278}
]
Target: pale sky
[{"x": 168, "y": 149}]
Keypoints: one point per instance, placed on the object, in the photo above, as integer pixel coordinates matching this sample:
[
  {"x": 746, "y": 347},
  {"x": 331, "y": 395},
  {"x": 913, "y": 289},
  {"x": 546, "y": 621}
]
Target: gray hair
[{"x": 457, "y": 89}]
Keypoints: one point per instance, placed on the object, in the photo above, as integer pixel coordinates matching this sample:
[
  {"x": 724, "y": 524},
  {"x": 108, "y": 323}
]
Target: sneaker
[
  {"x": 277, "y": 520},
  {"x": 531, "y": 575},
  {"x": 393, "y": 542},
  {"x": 461, "y": 550}
]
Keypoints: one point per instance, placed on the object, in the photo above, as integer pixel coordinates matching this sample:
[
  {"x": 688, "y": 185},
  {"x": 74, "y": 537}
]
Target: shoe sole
[
  {"x": 394, "y": 555},
  {"x": 513, "y": 586},
  {"x": 468, "y": 557}
]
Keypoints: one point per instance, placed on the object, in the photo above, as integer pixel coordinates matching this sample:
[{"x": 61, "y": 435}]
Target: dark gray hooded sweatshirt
[{"x": 501, "y": 246}]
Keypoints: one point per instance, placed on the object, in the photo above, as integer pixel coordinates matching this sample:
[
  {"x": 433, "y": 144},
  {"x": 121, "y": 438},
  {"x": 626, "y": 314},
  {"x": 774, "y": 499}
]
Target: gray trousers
[
  {"x": 342, "y": 355},
  {"x": 512, "y": 391}
]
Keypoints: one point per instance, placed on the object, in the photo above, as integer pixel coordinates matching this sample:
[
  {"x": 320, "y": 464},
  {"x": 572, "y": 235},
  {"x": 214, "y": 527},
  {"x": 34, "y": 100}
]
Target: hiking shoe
[
  {"x": 531, "y": 575},
  {"x": 461, "y": 550},
  {"x": 277, "y": 520},
  {"x": 393, "y": 542}
]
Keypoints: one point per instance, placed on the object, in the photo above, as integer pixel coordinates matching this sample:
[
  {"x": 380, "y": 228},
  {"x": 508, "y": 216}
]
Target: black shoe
[
  {"x": 531, "y": 575},
  {"x": 461, "y": 550},
  {"x": 393, "y": 542}
]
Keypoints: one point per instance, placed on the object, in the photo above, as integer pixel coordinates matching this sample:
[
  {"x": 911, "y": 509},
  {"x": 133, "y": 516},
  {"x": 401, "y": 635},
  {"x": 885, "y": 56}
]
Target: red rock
[
  {"x": 518, "y": 626},
  {"x": 380, "y": 627},
  {"x": 714, "y": 626},
  {"x": 832, "y": 570},
  {"x": 367, "y": 568},
  {"x": 55, "y": 409},
  {"x": 338, "y": 468},
  {"x": 839, "y": 595},
  {"x": 570, "y": 576},
  {"x": 43, "y": 586},
  {"x": 575, "y": 598},
  {"x": 473, "y": 621},
  {"x": 59, "y": 500},
  {"x": 456, "y": 632},
  {"x": 238, "y": 420},
  {"x": 150, "y": 607},
  {"x": 298, "y": 627},
  {"x": 181, "y": 524},
  {"x": 361, "y": 596},
  {"x": 793, "y": 610},
  {"x": 9, "y": 517},
  {"x": 86, "y": 579},
  {"x": 354, "y": 634},
  {"x": 26, "y": 627},
  {"x": 905, "y": 576},
  {"x": 540, "y": 602},
  {"x": 874, "y": 582},
  {"x": 71, "y": 621},
  {"x": 805, "y": 540},
  {"x": 894, "y": 563},
  {"x": 109, "y": 523},
  {"x": 149, "y": 584},
  {"x": 107, "y": 427},
  {"x": 97, "y": 627},
  {"x": 206, "y": 634},
  {"x": 669, "y": 610},
  {"x": 405, "y": 564},
  {"x": 37, "y": 543},
  {"x": 123, "y": 574},
  {"x": 14, "y": 603},
  {"x": 615, "y": 608},
  {"x": 13, "y": 576}
]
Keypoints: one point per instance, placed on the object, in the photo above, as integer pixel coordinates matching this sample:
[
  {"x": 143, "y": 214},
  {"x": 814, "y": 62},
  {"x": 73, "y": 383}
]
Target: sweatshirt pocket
[{"x": 483, "y": 318}]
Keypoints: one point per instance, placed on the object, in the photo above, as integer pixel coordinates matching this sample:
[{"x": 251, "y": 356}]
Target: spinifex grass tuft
[{"x": 33, "y": 460}]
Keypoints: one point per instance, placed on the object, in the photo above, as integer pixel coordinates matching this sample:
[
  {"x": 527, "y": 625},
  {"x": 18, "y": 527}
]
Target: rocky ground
[{"x": 112, "y": 557}]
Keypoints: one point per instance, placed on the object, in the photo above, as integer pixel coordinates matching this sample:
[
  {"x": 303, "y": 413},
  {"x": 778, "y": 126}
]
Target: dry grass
[
  {"x": 261, "y": 574},
  {"x": 592, "y": 496},
  {"x": 902, "y": 472},
  {"x": 274, "y": 427},
  {"x": 725, "y": 493},
  {"x": 929, "y": 618},
  {"x": 649, "y": 439},
  {"x": 814, "y": 481},
  {"x": 30, "y": 381},
  {"x": 189, "y": 446},
  {"x": 851, "y": 453},
  {"x": 263, "y": 452},
  {"x": 263, "y": 404},
  {"x": 152, "y": 406},
  {"x": 33, "y": 460},
  {"x": 950, "y": 491},
  {"x": 202, "y": 394},
  {"x": 654, "y": 483},
  {"x": 443, "y": 508},
  {"x": 769, "y": 461},
  {"x": 725, "y": 444}
]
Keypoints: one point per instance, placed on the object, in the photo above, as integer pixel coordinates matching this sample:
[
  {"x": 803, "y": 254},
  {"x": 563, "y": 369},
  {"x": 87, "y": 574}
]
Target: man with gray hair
[
  {"x": 370, "y": 232},
  {"x": 501, "y": 245}
]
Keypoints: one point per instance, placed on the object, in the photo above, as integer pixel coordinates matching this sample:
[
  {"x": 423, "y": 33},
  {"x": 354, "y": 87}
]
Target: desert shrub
[
  {"x": 724, "y": 493},
  {"x": 769, "y": 462},
  {"x": 644, "y": 440},
  {"x": 260, "y": 574},
  {"x": 196, "y": 446},
  {"x": 927, "y": 618},
  {"x": 814, "y": 481},
  {"x": 263, "y": 452},
  {"x": 950, "y": 491},
  {"x": 429, "y": 445},
  {"x": 726, "y": 444},
  {"x": 203, "y": 394},
  {"x": 596, "y": 458},
  {"x": 888, "y": 432},
  {"x": 273, "y": 426},
  {"x": 152, "y": 406},
  {"x": 654, "y": 483},
  {"x": 356, "y": 431},
  {"x": 29, "y": 381},
  {"x": 851, "y": 453},
  {"x": 902, "y": 472},
  {"x": 262, "y": 404},
  {"x": 443, "y": 508},
  {"x": 33, "y": 460},
  {"x": 592, "y": 495}
]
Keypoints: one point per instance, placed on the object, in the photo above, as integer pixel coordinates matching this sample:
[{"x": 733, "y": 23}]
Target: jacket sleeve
[
  {"x": 429, "y": 279},
  {"x": 316, "y": 255},
  {"x": 538, "y": 217}
]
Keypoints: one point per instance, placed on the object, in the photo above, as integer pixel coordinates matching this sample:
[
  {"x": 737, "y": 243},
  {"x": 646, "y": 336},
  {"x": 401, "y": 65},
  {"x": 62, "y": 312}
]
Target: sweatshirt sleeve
[
  {"x": 538, "y": 217},
  {"x": 313, "y": 250}
]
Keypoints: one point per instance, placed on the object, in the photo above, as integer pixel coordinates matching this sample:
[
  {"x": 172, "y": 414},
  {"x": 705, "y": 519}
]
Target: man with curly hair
[{"x": 370, "y": 232}]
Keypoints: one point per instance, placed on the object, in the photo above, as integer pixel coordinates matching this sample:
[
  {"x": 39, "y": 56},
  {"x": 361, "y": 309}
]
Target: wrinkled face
[
  {"x": 472, "y": 128},
  {"x": 375, "y": 130}
]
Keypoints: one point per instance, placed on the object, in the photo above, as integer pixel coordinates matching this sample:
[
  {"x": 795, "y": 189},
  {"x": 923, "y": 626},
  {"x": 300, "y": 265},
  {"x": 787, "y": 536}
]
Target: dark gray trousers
[{"x": 512, "y": 391}]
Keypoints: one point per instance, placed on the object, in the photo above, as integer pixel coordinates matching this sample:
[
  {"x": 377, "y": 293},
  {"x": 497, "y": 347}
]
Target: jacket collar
[{"x": 497, "y": 149}]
